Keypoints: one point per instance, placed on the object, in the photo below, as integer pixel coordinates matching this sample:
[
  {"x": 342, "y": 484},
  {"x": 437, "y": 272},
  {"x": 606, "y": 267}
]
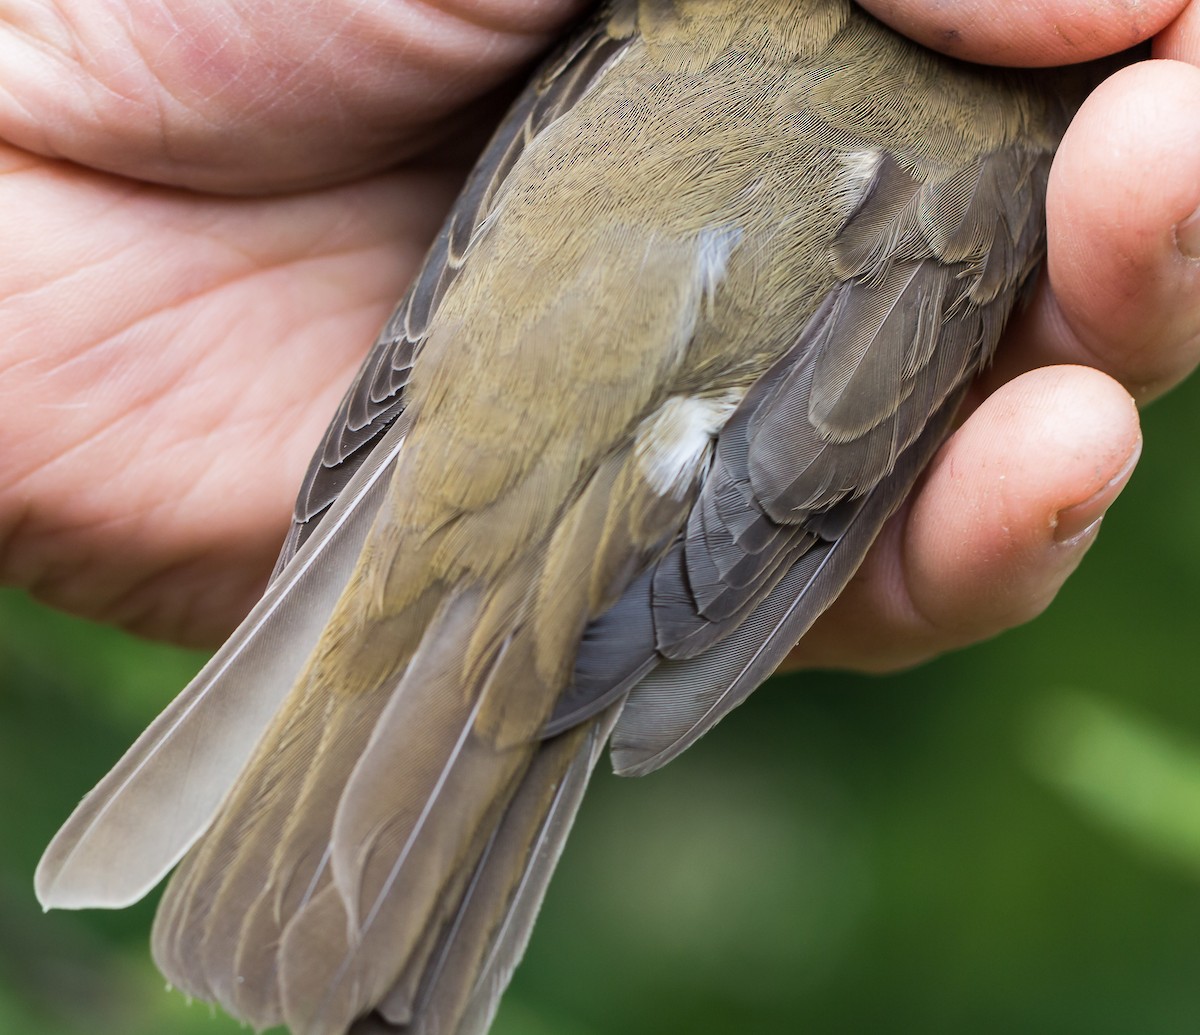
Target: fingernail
[
  {"x": 1187, "y": 236},
  {"x": 1079, "y": 538},
  {"x": 1079, "y": 523}
]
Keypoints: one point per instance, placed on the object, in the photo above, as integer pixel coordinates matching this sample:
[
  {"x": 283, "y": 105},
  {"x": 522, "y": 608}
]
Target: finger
[
  {"x": 1123, "y": 292},
  {"x": 1036, "y": 34},
  {"x": 1180, "y": 41},
  {"x": 234, "y": 97},
  {"x": 1005, "y": 513}
]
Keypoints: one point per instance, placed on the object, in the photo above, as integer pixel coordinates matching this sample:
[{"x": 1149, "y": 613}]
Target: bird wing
[{"x": 822, "y": 450}]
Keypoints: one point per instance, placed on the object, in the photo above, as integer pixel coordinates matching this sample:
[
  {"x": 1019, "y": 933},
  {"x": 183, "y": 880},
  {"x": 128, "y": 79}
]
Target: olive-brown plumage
[{"x": 702, "y": 314}]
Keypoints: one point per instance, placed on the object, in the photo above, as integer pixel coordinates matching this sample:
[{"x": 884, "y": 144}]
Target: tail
[{"x": 383, "y": 856}]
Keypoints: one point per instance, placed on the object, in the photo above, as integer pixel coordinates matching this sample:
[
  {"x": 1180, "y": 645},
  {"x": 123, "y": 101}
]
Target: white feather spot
[
  {"x": 858, "y": 170},
  {"x": 714, "y": 246},
  {"x": 674, "y": 444}
]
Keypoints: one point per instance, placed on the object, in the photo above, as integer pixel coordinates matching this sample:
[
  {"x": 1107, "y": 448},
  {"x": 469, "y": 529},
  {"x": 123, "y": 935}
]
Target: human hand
[{"x": 154, "y": 435}]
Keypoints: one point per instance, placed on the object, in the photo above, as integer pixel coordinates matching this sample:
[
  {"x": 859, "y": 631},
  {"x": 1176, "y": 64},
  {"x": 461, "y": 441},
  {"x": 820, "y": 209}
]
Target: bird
[{"x": 704, "y": 310}]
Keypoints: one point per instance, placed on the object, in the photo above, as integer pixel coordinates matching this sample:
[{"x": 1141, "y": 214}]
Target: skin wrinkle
[
  {"x": 55, "y": 285},
  {"x": 101, "y": 430},
  {"x": 197, "y": 93},
  {"x": 167, "y": 149},
  {"x": 456, "y": 13},
  {"x": 1086, "y": 341},
  {"x": 66, "y": 46},
  {"x": 226, "y": 421},
  {"x": 35, "y": 120},
  {"x": 91, "y": 62},
  {"x": 285, "y": 84},
  {"x": 139, "y": 603},
  {"x": 437, "y": 49},
  {"x": 480, "y": 16},
  {"x": 48, "y": 572},
  {"x": 51, "y": 287},
  {"x": 83, "y": 267},
  {"x": 165, "y": 392},
  {"x": 212, "y": 287},
  {"x": 86, "y": 354},
  {"x": 920, "y": 629}
]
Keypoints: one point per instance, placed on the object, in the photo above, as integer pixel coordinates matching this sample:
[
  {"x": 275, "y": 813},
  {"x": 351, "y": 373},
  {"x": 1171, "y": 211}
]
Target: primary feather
[{"x": 701, "y": 315}]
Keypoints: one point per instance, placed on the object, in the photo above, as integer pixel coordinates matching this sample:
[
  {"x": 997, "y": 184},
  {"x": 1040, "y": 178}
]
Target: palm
[{"x": 189, "y": 348}]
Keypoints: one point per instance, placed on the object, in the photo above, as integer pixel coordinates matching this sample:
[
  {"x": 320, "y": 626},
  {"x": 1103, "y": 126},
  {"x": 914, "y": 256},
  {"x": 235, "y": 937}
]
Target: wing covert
[{"x": 377, "y": 395}]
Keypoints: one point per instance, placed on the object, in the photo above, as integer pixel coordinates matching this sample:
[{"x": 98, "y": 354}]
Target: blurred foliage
[{"x": 1005, "y": 840}]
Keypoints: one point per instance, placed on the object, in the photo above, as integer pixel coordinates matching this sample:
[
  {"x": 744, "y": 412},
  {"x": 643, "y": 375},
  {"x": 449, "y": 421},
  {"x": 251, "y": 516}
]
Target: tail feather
[
  {"x": 524, "y": 864},
  {"x": 225, "y": 908},
  {"x": 334, "y": 874},
  {"x": 460, "y": 986}
]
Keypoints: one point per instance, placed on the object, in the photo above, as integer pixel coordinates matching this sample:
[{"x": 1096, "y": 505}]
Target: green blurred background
[{"x": 1007, "y": 840}]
